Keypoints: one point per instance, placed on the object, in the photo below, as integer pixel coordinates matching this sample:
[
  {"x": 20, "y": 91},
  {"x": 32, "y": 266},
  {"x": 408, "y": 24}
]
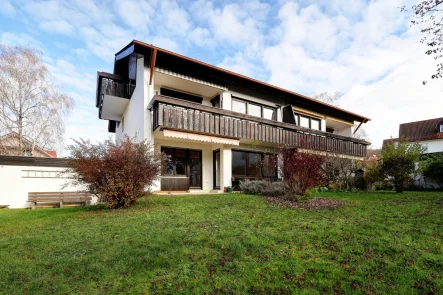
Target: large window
[
  {"x": 181, "y": 95},
  {"x": 307, "y": 122},
  {"x": 183, "y": 162},
  {"x": 252, "y": 165},
  {"x": 175, "y": 162},
  {"x": 253, "y": 109}
]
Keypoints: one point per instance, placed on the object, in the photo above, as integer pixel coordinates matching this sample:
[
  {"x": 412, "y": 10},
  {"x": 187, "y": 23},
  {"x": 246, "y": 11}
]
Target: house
[
  {"x": 429, "y": 133},
  {"x": 10, "y": 145},
  {"x": 215, "y": 125}
]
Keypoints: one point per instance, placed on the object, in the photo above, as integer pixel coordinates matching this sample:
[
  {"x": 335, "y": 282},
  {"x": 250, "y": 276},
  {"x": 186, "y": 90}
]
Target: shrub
[
  {"x": 116, "y": 172},
  {"x": 360, "y": 181},
  {"x": 398, "y": 160},
  {"x": 275, "y": 189},
  {"x": 264, "y": 187},
  {"x": 433, "y": 168},
  {"x": 340, "y": 173},
  {"x": 253, "y": 186},
  {"x": 301, "y": 171}
]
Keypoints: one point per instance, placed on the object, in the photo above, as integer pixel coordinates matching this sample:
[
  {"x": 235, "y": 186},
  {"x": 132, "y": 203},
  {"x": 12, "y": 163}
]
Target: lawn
[{"x": 380, "y": 243}]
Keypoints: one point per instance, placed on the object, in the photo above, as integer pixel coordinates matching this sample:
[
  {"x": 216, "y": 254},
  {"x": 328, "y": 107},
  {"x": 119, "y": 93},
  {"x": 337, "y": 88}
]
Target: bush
[
  {"x": 253, "y": 186},
  {"x": 433, "y": 168},
  {"x": 360, "y": 182},
  {"x": 264, "y": 187},
  {"x": 340, "y": 173},
  {"x": 275, "y": 189},
  {"x": 301, "y": 170},
  {"x": 116, "y": 172},
  {"x": 398, "y": 160}
]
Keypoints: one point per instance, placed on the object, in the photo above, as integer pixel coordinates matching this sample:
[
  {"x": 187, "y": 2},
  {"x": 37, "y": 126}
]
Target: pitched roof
[
  {"x": 139, "y": 44},
  {"x": 420, "y": 129},
  {"x": 50, "y": 154}
]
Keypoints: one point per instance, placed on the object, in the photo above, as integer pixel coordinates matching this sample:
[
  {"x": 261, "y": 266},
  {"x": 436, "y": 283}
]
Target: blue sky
[{"x": 365, "y": 49}]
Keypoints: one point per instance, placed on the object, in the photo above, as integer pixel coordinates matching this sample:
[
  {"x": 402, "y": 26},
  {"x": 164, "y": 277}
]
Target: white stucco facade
[{"x": 138, "y": 119}]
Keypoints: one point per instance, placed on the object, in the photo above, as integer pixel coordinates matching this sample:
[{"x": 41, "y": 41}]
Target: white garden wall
[{"x": 17, "y": 181}]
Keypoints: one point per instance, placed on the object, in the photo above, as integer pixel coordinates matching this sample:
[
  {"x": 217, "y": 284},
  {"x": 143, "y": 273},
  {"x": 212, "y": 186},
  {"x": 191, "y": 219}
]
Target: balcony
[
  {"x": 113, "y": 94},
  {"x": 175, "y": 114}
]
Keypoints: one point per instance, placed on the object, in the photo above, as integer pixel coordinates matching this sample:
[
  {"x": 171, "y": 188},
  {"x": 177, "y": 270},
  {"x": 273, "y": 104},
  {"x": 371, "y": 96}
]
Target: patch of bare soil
[{"x": 315, "y": 203}]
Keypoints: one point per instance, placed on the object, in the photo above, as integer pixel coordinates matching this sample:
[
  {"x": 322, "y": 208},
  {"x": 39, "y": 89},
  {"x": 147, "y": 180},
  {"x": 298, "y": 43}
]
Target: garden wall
[{"x": 21, "y": 175}]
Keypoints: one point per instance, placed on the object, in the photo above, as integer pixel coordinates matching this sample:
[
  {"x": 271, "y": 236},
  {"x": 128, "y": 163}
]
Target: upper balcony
[
  {"x": 175, "y": 114},
  {"x": 113, "y": 94}
]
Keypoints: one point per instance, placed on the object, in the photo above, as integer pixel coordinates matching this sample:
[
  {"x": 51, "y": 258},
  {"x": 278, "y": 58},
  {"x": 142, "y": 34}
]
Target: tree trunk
[{"x": 399, "y": 187}]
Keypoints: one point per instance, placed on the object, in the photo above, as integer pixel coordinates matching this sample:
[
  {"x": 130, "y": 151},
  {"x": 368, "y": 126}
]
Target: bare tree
[
  {"x": 361, "y": 133},
  {"x": 332, "y": 98},
  {"x": 31, "y": 106},
  {"x": 428, "y": 15}
]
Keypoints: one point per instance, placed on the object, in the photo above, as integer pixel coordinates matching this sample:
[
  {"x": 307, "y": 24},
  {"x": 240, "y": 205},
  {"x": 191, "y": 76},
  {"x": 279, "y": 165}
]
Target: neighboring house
[
  {"x": 429, "y": 133},
  {"x": 9, "y": 145},
  {"x": 215, "y": 126}
]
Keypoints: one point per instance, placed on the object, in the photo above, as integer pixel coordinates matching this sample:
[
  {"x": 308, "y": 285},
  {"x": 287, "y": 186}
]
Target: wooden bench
[{"x": 58, "y": 197}]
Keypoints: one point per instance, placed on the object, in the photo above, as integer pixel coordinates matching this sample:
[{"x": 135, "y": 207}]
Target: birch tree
[{"x": 31, "y": 106}]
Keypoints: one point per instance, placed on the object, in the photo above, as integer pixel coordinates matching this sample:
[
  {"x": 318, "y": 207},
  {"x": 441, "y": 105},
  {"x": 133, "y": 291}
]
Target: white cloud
[
  {"x": 136, "y": 14},
  {"x": 60, "y": 27},
  {"x": 365, "y": 49},
  {"x": 200, "y": 37},
  {"x": 7, "y": 9},
  {"x": 21, "y": 39}
]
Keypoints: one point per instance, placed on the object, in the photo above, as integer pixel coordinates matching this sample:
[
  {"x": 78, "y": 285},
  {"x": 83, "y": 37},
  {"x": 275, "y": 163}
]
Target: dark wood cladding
[
  {"x": 33, "y": 161},
  {"x": 174, "y": 183},
  {"x": 115, "y": 85},
  {"x": 181, "y": 115}
]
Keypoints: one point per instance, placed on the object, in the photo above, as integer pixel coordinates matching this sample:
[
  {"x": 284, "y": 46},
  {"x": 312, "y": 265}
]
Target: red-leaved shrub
[
  {"x": 301, "y": 171},
  {"x": 116, "y": 172}
]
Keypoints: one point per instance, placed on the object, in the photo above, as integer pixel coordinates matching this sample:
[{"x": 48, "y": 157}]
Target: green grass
[{"x": 380, "y": 243}]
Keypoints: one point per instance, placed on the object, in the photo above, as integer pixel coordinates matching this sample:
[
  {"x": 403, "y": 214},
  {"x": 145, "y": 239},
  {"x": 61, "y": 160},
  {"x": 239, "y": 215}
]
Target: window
[
  {"x": 269, "y": 113},
  {"x": 238, "y": 163},
  {"x": 175, "y": 163},
  {"x": 216, "y": 101},
  {"x": 238, "y": 106},
  {"x": 441, "y": 128},
  {"x": 181, "y": 95},
  {"x": 304, "y": 121},
  {"x": 247, "y": 164},
  {"x": 183, "y": 162},
  {"x": 254, "y": 162},
  {"x": 315, "y": 124},
  {"x": 307, "y": 122},
  {"x": 253, "y": 109}
]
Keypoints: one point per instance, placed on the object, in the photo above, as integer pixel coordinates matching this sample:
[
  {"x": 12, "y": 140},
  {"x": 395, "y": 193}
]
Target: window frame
[
  {"x": 186, "y": 162},
  {"x": 247, "y": 158},
  {"x": 262, "y": 107},
  {"x": 297, "y": 120},
  {"x": 179, "y": 94}
]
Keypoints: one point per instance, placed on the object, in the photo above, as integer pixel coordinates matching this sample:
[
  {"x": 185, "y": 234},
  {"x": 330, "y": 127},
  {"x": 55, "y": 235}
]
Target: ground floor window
[
  {"x": 251, "y": 165},
  {"x": 183, "y": 163}
]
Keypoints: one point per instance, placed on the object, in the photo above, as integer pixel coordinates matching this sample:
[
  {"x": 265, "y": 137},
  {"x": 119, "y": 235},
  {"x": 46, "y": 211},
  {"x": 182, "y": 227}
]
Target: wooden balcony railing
[
  {"x": 196, "y": 118},
  {"x": 110, "y": 84}
]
